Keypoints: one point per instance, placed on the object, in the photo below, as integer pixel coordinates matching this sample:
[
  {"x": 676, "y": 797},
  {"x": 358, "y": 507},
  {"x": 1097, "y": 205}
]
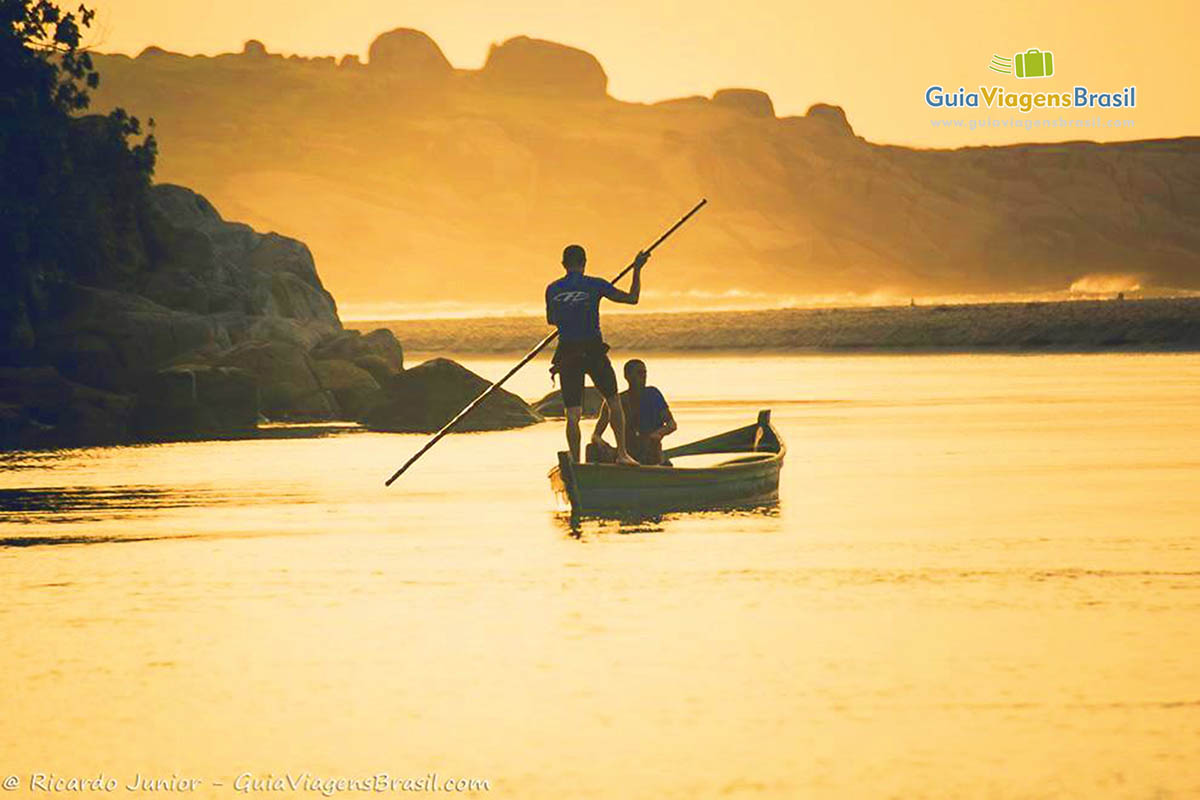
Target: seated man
[{"x": 647, "y": 420}]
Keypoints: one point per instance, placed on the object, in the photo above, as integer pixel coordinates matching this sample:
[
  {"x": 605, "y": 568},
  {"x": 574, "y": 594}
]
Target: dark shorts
[{"x": 573, "y": 360}]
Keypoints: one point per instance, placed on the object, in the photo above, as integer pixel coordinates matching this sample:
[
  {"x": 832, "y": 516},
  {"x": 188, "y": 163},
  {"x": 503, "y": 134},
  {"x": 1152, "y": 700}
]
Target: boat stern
[{"x": 563, "y": 482}]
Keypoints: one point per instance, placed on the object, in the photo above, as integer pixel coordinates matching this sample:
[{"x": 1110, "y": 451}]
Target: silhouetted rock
[
  {"x": 383, "y": 343},
  {"x": 552, "y": 404},
  {"x": 533, "y": 65},
  {"x": 749, "y": 101},
  {"x": 206, "y": 323},
  {"x": 195, "y": 402},
  {"x": 353, "y": 387},
  {"x": 380, "y": 370},
  {"x": 206, "y": 264},
  {"x": 40, "y": 408},
  {"x": 426, "y": 397},
  {"x": 254, "y": 49},
  {"x": 346, "y": 345},
  {"x": 349, "y": 345},
  {"x": 107, "y": 338},
  {"x": 833, "y": 116},
  {"x": 408, "y": 52},
  {"x": 288, "y": 385},
  {"x": 154, "y": 51}
]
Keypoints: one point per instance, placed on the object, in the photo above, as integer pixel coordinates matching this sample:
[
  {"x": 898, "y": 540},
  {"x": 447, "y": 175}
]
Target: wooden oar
[{"x": 550, "y": 337}]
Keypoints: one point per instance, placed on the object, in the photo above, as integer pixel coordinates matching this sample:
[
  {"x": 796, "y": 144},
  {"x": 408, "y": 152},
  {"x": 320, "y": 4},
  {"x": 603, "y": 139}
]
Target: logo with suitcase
[{"x": 1033, "y": 63}]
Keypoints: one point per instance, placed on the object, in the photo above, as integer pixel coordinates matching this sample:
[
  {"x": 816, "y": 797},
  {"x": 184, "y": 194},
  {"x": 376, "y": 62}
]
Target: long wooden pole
[{"x": 550, "y": 337}]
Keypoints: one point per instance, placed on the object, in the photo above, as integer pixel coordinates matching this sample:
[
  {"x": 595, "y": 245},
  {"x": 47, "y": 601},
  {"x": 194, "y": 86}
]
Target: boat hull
[
  {"x": 749, "y": 477},
  {"x": 609, "y": 488}
]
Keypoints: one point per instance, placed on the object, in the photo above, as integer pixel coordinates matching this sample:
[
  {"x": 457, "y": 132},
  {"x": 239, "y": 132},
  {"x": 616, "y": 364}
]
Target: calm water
[{"x": 982, "y": 580}]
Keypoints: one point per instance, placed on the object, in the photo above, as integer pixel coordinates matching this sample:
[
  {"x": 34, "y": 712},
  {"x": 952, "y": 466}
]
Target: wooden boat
[{"x": 749, "y": 477}]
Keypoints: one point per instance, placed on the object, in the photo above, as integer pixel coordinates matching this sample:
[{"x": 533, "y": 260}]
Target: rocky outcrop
[
  {"x": 205, "y": 264},
  {"x": 748, "y": 101},
  {"x": 154, "y": 51},
  {"x": 354, "y": 368},
  {"x": 354, "y": 388},
  {"x": 210, "y": 292},
  {"x": 202, "y": 326},
  {"x": 382, "y": 343},
  {"x": 215, "y": 327},
  {"x": 108, "y": 338},
  {"x": 195, "y": 402},
  {"x": 289, "y": 387},
  {"x": 530, "y": 65},
  {"x": 40, "y": 408},
  {"x": 832, "y": 116},
  {"x": 551, "y": 405},
  {"x": 426, "y": 397},
  {"x": 351, "y": 345},
  {"x": 408, "y": 53}
]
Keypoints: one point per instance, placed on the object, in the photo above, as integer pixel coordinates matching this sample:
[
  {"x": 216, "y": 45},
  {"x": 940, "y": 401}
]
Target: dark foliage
[{"x": 70, "y": 185}]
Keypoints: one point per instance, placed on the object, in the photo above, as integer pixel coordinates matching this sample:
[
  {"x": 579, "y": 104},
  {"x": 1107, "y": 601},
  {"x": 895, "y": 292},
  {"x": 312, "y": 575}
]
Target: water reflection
[
  {"x": 39, "y": 541},
  {"x": 581, "y": 526},
  {"x": 75, "y": 504}
]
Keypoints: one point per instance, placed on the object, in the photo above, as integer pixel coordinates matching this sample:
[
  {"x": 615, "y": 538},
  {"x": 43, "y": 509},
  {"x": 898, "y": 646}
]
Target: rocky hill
[{"x": 403, "y": 170}]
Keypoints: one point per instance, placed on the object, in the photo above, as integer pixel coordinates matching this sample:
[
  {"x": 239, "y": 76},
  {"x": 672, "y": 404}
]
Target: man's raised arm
[{"x": 635, "y": 291}]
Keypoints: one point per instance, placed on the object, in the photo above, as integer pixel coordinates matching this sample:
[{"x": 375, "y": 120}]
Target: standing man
[{"x": 573, "y": 304}]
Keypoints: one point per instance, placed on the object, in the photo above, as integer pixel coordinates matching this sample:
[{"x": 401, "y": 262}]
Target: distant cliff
[{"x": 403, "y": 170}]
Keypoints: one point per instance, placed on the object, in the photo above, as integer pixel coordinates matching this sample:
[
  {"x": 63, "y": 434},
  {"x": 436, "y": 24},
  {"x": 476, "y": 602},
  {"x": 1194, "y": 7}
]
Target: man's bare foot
[{"x": 627, "y": 460}]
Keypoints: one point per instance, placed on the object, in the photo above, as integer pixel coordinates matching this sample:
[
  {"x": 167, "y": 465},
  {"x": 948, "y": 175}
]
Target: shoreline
[
  {"x": 717, "y": 351},
  {"x": 1072, "y": 326}
]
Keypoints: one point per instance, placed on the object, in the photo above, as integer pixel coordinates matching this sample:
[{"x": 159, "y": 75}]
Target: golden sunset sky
[{"x": 873, "y": 58}]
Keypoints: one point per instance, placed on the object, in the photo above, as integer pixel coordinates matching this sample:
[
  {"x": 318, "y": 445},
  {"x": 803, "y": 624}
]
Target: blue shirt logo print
[{"x": 573, "y": 304}]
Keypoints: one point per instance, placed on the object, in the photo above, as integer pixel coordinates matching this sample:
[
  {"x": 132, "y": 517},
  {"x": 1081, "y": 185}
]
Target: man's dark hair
[{"x": 573, "y": 255}]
